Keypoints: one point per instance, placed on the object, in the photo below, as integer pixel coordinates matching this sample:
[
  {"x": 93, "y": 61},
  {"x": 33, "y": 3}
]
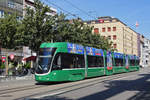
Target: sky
[{"x": 127, "y": 11}]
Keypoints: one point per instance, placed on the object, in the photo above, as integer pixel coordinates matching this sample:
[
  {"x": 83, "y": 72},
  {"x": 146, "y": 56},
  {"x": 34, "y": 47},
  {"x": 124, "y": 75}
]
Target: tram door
[
  {"x": 109, "y": 65},
  {"x": 127, "y": 63}
]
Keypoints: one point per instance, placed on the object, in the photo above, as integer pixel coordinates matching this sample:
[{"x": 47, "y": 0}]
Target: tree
[
  {"x": 8, "y": 29},
  {"x": 76, "y": 32},
  {"x": 37, "y": 26}
]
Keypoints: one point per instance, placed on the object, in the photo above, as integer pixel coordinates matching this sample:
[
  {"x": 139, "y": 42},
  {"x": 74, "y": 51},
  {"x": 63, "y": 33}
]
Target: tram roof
[
  {"x": 74, "y": 48},
  {"x": 56, "y": 44}
]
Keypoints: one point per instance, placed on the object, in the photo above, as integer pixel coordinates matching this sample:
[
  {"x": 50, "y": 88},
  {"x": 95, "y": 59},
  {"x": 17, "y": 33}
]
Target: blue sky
[{"x": 128, "y": 11}]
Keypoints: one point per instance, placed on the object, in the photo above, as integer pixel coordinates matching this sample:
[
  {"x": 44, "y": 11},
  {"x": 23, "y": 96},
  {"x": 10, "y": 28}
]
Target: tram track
[
  {"x": 62, "y": 88},
  {"x": 17, "y": 89},
  {"x": 81, "y": 85}
]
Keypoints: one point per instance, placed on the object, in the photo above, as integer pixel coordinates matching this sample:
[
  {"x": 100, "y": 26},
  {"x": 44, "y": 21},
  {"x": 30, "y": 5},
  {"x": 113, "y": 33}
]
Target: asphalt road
[
  {"x": 130, "y": 87},
  {"x": 127, "y": 86}
]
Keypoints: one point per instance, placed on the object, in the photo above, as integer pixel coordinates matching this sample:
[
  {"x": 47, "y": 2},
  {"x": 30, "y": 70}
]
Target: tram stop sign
[
  {"x": 11, "y": 56},
  {"x": 3, "y": 58}
]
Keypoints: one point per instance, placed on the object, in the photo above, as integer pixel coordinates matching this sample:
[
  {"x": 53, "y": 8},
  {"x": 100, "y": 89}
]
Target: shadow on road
[
  {"x": 116, "y": 87},
  {"x": 51, "y": 98},
  {"x": 51, "y": 83}
]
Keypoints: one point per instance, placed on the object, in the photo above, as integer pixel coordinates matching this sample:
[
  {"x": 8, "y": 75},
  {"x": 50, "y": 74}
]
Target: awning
[{"x": 31, "y": 58}]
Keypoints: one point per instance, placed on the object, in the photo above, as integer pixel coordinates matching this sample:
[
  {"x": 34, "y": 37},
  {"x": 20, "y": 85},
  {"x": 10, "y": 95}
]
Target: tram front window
[{"x": 44, "y": 60}]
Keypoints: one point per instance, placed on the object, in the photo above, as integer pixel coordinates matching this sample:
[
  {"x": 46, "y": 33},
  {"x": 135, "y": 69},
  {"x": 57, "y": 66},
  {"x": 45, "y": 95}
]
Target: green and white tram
[{"x": 64, "y": 61}]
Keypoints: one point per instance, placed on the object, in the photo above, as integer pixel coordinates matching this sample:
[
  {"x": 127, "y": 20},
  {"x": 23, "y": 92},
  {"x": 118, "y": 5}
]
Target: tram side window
[
  {"x": 118, "y": 62},
  {"x": 137, "y": 62},
  {"x": 106, "y": 60},
  {"x": 95, "y": 61},
  {"x": 132, "y": 62},
  {"x": 80, "y": 61},
  {"x": 57, "y": 62},
  {"x": 69, "y": 61}
]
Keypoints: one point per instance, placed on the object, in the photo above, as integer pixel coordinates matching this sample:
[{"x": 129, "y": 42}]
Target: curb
[{"x": 13, "y": 78}]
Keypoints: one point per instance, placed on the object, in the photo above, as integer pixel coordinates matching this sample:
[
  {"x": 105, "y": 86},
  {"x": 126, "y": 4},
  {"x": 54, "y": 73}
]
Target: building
[
  {"x": 11, "y": 6},
  {"x": 27, "y": 3},
  {"x": 30, "y": 3},
  {"x": 124, "y": 39},
  {"x": 18, "y": 6},
  {"x": 145, "y": 53}
]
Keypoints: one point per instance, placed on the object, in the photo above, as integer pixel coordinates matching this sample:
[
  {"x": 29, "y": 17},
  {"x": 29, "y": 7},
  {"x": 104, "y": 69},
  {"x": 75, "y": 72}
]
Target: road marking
[
  {"x": 124, "y": 77},
  {"x": 46, "y": 95}
]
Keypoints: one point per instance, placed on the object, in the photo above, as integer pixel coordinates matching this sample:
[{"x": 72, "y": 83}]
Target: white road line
[
  {"x": 125, "y": 77},
  {"x": 46, "y": 95}
]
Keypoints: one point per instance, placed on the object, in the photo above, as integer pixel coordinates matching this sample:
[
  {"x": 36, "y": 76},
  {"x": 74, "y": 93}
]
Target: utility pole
[{"x": 6, "y": 64}]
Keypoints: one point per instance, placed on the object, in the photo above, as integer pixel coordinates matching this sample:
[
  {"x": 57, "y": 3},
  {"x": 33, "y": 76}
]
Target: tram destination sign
[{"x": 75, "y": 48}]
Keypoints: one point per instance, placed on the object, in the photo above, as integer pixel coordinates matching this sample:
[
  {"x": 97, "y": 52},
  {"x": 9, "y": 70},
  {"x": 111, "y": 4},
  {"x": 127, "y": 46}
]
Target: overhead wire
[
  {"x": 86, "y": 13},
  {"x": 74, "y": 15}
]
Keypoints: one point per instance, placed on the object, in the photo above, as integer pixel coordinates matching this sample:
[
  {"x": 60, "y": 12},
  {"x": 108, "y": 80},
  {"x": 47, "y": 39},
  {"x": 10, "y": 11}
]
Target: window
[
  {"x": 96, "y": 30},
  {"x": 115, "y": 45},
  {"x": 67, "y": 61},
  {"x": 9, "y": 13},
  {"x": 103, "y": 29},
  {"x": 44, "y": 60},
  {"x": 104, "y": 37},
  {"x": 114, "y": 28},
  {"x": 118, "y": 62},
  {"x": 146, "y": 62},
  {"x": 19, "y": 18},
  {"x": 109, "y": 29},
  {"x": 114, "y": 37},
  {"x": 11, "y": 4},
  {"x": 1, "y": 13},
  {"x": 137, "y": 62},
  {"x": 95, "y": 61},
  {"x": 132, "y": 62},
  {"x": 109, "y": 37}
]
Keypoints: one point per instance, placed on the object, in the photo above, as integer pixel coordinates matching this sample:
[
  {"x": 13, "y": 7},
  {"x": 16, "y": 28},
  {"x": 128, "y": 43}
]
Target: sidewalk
[{"x": 13, "y": 78}]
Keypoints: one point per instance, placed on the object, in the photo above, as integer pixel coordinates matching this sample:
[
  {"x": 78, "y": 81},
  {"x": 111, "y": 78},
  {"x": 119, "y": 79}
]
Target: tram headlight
[
  {"x": 40, "y": 78},
  {"x": 54, "y": 73}
]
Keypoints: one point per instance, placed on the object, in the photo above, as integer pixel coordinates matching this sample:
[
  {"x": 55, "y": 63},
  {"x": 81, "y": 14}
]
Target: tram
[{"x": 63, "y": 61}]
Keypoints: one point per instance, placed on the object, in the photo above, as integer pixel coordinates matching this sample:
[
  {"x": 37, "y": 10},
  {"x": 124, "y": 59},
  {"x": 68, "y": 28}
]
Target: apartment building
[
  {"x": 145, "y": 54},
  {"x": 11, "y": 6},
  {"x": 124, "y": 39},
  {"x": 30, "y": 3},
  {"x": 18, "y": 6}
]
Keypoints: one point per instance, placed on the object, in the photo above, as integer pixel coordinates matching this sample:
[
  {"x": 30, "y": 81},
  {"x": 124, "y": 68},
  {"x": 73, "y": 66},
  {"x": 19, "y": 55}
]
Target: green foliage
[
  {"x": 8, "y": 30},
  {"x": 38, "y": 26},
  {"x": 76, "y": 32},
  {"x": 2, "y": 66},
  {"x": 27, "y": 65}
]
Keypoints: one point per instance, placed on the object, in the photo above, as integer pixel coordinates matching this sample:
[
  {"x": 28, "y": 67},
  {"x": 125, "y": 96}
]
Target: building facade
[
  {"x": 11, "y": 6},
  {"x": 145, "y": 53},
  {"x": 30, "y": 3},
  {"x": 27, "y": 3},
  {"x": 18, "y": 6},
  {"x": 124, "y": 39}
]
